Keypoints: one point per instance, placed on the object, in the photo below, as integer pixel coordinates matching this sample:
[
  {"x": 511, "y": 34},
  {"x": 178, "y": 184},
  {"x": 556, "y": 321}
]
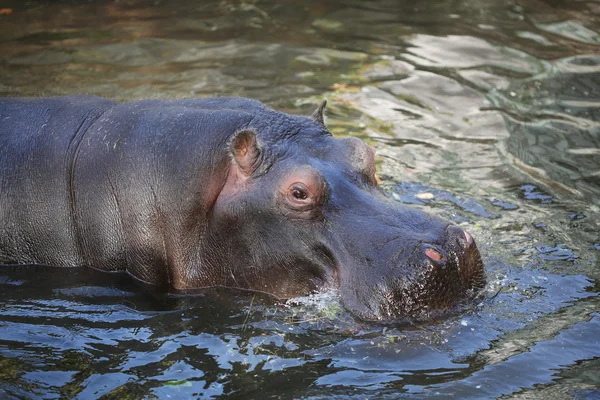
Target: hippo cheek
[{"x": 429, "y": 283}]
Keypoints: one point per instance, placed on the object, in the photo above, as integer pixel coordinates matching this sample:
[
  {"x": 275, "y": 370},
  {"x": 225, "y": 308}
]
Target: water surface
[{"x": 485, "y": 112}]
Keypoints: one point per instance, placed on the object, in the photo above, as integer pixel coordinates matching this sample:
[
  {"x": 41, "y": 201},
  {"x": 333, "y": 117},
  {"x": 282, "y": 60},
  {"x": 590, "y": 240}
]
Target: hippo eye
[
  {"x": 303, "y": 192},
  {"x": 299, "y": 192}
]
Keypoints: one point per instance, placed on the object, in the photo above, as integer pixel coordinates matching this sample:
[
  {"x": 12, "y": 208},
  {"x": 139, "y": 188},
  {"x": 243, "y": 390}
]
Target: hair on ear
[{"x": 245, "y": 151}]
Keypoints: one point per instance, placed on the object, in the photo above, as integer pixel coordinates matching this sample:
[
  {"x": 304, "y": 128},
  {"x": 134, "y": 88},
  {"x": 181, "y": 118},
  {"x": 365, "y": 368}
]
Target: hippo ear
[
  {"x": 245, "y": 151},
  {"x": 318, "y": 114}
]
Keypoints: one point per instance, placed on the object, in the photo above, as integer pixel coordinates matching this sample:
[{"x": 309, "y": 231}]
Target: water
[{"x": 484, "y": 112}]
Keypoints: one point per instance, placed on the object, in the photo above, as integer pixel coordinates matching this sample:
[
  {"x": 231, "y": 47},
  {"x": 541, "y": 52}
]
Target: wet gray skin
[{"x": 194, "y": 193}]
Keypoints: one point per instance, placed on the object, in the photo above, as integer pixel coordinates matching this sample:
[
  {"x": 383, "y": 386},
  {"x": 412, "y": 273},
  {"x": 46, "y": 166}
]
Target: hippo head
[{"x": 301, "y": 212}]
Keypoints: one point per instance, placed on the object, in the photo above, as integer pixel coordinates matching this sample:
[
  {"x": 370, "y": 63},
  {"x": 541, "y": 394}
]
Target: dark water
[{"x": 485, "y": 112}]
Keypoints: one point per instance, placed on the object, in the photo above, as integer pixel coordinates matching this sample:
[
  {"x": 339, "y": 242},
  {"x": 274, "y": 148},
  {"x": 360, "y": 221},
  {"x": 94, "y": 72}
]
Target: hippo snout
[{"x": 442, "y": 274}]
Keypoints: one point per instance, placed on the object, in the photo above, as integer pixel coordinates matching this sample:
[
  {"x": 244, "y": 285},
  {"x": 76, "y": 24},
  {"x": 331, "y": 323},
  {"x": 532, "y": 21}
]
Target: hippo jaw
[{"x": 383, "y": 271}]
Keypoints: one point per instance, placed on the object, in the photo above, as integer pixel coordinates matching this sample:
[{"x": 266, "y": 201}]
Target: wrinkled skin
[{"x": 194, "y": 193}]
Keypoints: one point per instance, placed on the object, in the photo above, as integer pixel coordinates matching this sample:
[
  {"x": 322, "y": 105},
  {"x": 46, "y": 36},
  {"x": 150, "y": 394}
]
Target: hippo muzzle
[
  {"x": 400, "y": 263},
  {"x": 444, "y": 275}
]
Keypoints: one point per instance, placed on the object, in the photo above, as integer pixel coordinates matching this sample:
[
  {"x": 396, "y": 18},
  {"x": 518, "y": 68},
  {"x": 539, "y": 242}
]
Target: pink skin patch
[
  {"x": 468, "y": 237},
  {"x": 433, "y": 254}
]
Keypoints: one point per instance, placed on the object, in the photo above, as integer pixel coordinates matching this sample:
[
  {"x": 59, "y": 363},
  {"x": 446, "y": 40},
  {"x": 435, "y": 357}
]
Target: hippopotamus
[{"x": 186, "y": 194}]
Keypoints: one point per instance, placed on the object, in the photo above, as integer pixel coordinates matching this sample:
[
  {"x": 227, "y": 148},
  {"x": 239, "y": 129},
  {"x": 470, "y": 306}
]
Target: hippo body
[{"x": 193, "y": 193}]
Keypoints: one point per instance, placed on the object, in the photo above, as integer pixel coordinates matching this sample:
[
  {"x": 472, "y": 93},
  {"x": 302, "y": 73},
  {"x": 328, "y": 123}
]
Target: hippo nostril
[
  {"x": 455, "y": 236},
  {"x": 433, "y": 254}
]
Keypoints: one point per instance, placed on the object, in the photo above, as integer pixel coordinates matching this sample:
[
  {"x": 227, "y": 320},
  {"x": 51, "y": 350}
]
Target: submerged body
[{"x": 194, "y": 193}]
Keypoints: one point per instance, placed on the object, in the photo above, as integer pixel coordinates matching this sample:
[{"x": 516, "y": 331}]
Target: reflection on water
[
  {"x": 484, "y": 112},
  {"x": 72, "y": 339}
]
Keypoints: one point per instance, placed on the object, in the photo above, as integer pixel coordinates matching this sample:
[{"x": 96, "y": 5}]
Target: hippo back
[
  {"x": 89, "y": 181},
  {"x": 38, "y": 138}
]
